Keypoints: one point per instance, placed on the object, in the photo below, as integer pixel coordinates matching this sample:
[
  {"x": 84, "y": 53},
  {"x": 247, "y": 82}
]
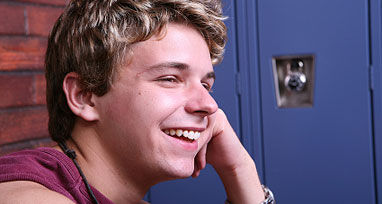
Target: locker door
[
  {"x": 319, "y": 154},
  {"x": 207, "y": 188}
]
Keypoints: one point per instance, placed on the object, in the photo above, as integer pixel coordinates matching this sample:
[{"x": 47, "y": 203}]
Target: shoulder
[
  {"x": 36, "y": 176},
  {"x": 45, "y": 166},
  {"x": 33, "y": 159},
  {"x": 29, "y": 192}
]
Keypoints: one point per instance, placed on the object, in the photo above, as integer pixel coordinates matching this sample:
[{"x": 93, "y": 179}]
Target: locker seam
[
  {"x": 371, "y": 92},
  {"x": 237, "y": 72},
  {"x": 256, "y": 4}
]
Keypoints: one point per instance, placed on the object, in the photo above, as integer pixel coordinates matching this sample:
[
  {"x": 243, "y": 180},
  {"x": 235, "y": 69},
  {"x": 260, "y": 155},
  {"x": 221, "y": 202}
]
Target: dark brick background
[{"x": 24, "y": 27}]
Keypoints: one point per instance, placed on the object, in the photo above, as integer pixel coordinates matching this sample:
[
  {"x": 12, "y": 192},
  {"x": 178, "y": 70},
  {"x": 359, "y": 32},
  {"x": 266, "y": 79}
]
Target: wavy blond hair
[{"x": 92, "y": 37}]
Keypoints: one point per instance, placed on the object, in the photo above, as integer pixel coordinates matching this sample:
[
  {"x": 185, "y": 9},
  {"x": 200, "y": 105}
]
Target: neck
[{"x": 103, "y": 172}]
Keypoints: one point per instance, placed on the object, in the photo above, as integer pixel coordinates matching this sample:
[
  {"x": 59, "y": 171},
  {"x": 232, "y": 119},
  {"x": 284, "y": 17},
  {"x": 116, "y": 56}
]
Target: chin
[{"x": 181, "y": 171}]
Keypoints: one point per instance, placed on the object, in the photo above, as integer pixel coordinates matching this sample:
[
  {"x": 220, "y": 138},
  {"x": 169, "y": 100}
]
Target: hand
[
  {"x": 237, "y": 170},
  {"x": 223, "y": 149}
]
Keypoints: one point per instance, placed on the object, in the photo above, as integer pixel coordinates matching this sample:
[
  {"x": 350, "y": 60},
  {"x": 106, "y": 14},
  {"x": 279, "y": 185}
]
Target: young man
[{"x": 128, "y": 97}]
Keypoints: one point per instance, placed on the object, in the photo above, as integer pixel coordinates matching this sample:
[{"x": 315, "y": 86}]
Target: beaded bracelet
[{"x": 269, "y": 198}]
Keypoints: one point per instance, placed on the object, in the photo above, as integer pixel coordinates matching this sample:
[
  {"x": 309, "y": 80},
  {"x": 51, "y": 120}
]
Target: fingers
[
  {"x": 202, "y": 157},
  {"x": 200, "y": 161},
  {"x": 216, "y": 124},
  {"x": 196, "y": 172}
]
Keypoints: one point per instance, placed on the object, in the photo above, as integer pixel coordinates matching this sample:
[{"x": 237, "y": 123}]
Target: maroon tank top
[{"x": 50, "y": 168}]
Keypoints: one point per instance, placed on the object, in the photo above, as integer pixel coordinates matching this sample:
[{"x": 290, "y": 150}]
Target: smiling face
[{"x": 162, "y": 93}]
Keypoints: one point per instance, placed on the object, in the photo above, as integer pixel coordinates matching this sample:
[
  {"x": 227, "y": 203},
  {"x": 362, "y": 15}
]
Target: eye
[
  {"x": 169, "y": 81},
  {"x": 172, "y": 79},
  {"x": 207, "y": 87}
]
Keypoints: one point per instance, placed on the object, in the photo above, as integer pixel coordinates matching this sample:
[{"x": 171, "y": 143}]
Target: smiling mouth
[{"x": 186, "y": 135}]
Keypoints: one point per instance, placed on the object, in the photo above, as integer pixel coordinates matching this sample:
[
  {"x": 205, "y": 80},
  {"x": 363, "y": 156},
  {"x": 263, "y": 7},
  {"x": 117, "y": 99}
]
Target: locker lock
[{"x": 295, "y": 79}]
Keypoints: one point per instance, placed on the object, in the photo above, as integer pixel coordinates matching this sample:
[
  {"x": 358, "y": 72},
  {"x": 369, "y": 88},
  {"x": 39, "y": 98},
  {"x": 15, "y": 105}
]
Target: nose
[{"x": 200, "y": 102}]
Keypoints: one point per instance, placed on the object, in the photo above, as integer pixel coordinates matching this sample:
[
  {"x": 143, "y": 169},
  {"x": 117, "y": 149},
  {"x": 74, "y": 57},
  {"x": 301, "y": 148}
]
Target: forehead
[{"x": 179, "y": 43}]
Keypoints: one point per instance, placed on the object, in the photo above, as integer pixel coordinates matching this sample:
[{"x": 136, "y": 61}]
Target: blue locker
[{"x": 321, "y": 154}]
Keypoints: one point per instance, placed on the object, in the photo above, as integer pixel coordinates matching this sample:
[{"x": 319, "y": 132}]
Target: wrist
[
  {"x": 241, "y": 164},
  {"x": 269, "y": 198},
  {"x": 242, "y": 184}
]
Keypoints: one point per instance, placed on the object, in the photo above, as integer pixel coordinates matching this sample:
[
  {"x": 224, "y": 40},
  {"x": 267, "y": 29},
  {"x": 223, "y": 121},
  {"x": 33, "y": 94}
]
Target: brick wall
[{"x": 24, "y": 27}]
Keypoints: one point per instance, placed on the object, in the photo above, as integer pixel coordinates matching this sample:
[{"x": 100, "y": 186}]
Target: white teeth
[
  {"x": 197, "y": 135},
  {"x": 179, "y": 132},
  {"x": 190, "y": 134}
]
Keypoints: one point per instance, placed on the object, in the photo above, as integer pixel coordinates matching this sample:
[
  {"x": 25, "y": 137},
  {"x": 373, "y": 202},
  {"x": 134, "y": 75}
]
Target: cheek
[
  {"x": 156, "y": 104},
  {"x": 143, "y": 109}
]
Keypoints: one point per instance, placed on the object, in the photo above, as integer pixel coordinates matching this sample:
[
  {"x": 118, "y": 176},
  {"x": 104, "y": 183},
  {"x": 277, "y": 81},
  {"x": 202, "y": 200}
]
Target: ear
[{"x": 79, "y": 101}]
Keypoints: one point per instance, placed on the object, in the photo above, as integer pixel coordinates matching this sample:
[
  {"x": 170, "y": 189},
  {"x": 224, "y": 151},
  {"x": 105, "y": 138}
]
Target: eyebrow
[
  {"x": 180, "y": 66},
  {"x": 175, "y": 65}
]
